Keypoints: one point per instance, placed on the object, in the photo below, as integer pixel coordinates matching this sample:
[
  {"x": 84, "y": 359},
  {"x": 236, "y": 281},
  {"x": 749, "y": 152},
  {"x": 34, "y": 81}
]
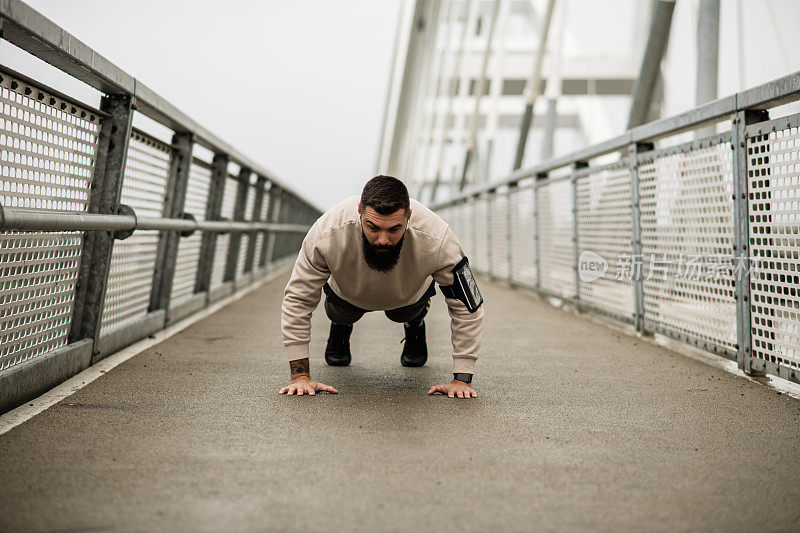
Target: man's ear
[{"x": 409, "y": 214}]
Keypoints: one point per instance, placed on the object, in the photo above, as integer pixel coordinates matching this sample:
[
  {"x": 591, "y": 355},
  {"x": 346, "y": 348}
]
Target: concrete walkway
[{"x": 577, "y": 427}]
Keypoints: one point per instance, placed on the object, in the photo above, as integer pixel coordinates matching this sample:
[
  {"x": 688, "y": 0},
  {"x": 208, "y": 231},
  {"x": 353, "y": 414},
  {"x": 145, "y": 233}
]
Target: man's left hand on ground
[{"x": 455, "y": 389}]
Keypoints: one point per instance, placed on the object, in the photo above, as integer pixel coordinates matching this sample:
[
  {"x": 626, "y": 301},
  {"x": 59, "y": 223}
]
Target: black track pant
[{"x": 342, "y": 312}]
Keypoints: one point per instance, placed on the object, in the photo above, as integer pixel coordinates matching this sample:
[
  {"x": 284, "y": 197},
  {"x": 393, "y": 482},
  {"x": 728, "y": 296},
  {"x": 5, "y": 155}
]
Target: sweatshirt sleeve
[
  {"x": 302, "y": 295},
  {"x": 466, "y": 328}
]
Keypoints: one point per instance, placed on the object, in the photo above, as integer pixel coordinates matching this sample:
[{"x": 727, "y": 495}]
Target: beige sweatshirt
[{"x": 331, "y": 252}]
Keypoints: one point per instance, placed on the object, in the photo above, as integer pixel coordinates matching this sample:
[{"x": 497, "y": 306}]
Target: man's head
[{"x": 385, "y": 210}]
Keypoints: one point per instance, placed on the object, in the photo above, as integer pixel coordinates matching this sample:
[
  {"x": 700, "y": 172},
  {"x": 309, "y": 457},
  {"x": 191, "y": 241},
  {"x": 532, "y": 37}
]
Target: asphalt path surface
[{"x": 576, "y": 427}]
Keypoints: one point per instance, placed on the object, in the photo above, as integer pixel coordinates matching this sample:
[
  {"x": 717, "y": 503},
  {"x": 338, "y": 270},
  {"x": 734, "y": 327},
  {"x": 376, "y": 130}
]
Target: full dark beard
[{"x": 380, "y": 261}]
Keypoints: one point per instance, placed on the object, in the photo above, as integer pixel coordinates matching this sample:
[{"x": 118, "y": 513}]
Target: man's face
[{"x": 382, "y": 237}]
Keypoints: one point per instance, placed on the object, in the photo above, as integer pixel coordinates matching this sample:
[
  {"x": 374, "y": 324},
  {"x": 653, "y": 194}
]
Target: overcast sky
[{"x": 299, "y": 86}]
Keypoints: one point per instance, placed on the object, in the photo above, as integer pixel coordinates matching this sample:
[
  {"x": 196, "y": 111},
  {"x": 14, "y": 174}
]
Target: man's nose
[{"x": 383, "y": 239}]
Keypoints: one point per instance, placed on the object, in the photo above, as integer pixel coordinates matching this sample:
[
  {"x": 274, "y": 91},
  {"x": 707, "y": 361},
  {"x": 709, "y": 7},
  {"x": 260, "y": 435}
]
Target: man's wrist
[
  {"x": 462, "y": 376},
  {"x": 300, "y": 369}
]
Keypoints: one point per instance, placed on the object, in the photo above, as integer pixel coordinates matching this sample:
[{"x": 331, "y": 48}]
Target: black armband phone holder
[{"x": 464, "y": 287}]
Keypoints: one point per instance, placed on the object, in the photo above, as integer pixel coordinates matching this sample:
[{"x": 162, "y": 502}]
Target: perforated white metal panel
[
  {"x": 687, "y": 245},
  {"x": 47, "y": 151},
  {"x": 481, "y": 235},
  {"x": 498, "y": 235},
  {"x": 556, "y": 245},
  {"x": 466, "y": 230},
  {"x": 221, "y": 250},
  {"x": 245, "y": 240},
  {"x": 774, "y": 223},
  {"x": 523, "y": 253},
  {"x": 189, "y": 247},
  {"x": 446, "y": 214},
  {"x": 37, "y": 291},
  {"x": 133, "y": 260},
  {"x": 605, "y": 227},
  {"x": 456, "y": 224},
  {"x": 450, "y": 216},
  {"x": 455, "y": 220},
  {"x": 465, "y": 233},
  {"x": 295, "y": 215}
]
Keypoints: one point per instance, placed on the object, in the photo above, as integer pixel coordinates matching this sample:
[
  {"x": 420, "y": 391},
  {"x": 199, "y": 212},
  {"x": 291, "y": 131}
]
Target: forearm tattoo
[{"x": 299, "y": 366}]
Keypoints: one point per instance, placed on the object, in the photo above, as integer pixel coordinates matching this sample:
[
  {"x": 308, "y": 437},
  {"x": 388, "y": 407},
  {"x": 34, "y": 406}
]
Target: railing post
[
  {"x": 490, "y": 197},
  {"x": 216, "y": 189},
  {"x": 234, "y": 243},
  {"x": 115, "y": 133},
  {"x": 537, "y": 241},
  {"x": 741, "y": 236},
  {"x": 636, "y": 212},
  {"x": 258, "y": 204},
  {"x": 265, "y": 243},
  {"x": 474, "y": 217},
  {"x": 284, "y": 214},
  {"x": 310, "y": 216},
  {"x": 174, "y": 202},
  {"x": 512, "y": 188},
  {"x": 576, "y": 166},
  {"x": 293, "y": 216},
  {"x": 276, "y": 200}
]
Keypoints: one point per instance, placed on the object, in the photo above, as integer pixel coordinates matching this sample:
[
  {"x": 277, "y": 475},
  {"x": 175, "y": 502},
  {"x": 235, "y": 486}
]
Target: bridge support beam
[
  {"x": 550, "y": 119},
  {"x": 660, "y": 23},
  {"x": 532, "y": 88},
  {"x": 707, "y": 58}
]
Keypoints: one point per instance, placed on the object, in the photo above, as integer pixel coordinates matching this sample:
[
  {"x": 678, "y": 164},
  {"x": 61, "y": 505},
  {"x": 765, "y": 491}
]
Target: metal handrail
[
  {"x": 770, "y": 94},
  {"x": 268, "y": 218},
  {"x": 21, "y": 219}
]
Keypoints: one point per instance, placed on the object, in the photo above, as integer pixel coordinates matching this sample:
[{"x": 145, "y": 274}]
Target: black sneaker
[
  {"x": 337, "y": 353},
  {"x": 415, "y": 351}
]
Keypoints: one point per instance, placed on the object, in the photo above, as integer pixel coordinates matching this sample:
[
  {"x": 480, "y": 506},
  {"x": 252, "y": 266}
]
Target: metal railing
[
  {"x": 108, "y": 234},
  {"x": 699, "y": 241}
]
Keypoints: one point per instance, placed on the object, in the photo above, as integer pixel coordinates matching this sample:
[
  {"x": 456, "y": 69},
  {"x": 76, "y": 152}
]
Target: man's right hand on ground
[
  {"x": 302, "y": 382},
  {"x": 306, "y": 385}
]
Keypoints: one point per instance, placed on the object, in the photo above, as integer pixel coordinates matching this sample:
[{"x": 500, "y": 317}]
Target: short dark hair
[{"x": 385, "y": 195}]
